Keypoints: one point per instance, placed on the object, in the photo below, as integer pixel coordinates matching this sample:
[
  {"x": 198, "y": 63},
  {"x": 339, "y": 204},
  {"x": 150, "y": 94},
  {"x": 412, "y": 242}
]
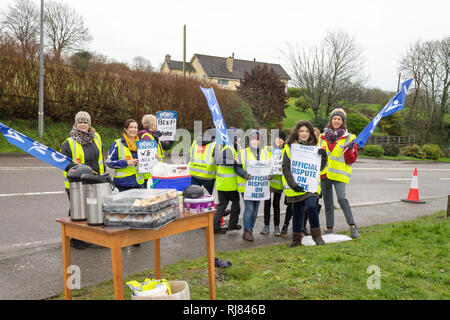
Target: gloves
[
  {"x": 269, "y": 177},
  {"x": 322, "y": 152},
  {"x": 157, "y": 134},
  {"x": 349, "y": 146},
  {"x": 248, "y": 177},
  {"x": 297, "y": 188}
]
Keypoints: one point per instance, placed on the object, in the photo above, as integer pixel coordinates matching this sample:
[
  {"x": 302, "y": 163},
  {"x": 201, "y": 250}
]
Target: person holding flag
[{"x": 342, "y": 152}]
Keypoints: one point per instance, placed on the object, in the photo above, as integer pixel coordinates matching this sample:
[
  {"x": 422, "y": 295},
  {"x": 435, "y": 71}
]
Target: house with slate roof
[{"x": 226, "y": 72}]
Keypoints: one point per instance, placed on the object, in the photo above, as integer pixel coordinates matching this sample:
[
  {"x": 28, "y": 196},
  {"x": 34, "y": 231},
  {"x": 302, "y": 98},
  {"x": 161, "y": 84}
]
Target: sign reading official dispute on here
[
  {"x": 305, "y": 166},
  {"x": 166, "y": 123},
  {"x": 258, "y": 187}
]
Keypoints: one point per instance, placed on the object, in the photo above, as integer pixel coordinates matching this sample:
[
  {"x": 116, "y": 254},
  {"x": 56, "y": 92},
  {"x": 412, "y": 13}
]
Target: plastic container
[
  {"x": 153, "y": 220},
  {"x": 171, "y": 176},
  {"x": 180, "y": 183},
  {"x": 139, "y": 201},
  {"x": 180, "y": 291},
  {"x": 203, "y": 204}
]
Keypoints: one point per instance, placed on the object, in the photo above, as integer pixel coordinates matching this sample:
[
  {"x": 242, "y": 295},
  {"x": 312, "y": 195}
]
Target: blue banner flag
[
  {"x": 394, "y": 105},
  {"x": 35, "y": 148},
  {"x": 222, "y": 136}
]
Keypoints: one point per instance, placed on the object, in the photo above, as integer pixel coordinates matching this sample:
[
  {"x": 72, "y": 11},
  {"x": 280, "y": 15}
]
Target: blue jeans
[
  {"x": 310, "y": 208},
  {"x": 250, "y": 214}
]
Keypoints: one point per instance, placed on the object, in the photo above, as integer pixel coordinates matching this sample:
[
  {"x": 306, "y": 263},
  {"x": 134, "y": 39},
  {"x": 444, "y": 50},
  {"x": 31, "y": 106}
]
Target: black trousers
[
  {"x": 208, "y": 184},
  {"x": 276, "y": 209},
  {"x": 224, "y": 198}
]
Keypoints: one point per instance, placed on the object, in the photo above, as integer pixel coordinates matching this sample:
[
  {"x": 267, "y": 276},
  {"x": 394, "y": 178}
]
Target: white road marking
[
  {"x": 444, "y": 178},
  {"x": 405, "y": 179},
  {"x": 30, "y": 194}
]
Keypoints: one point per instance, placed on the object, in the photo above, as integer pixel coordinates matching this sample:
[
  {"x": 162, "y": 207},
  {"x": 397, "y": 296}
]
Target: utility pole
[
  {"x": 184, "y": 51},
  {"x": 41, "y": 76},
  {"x": 398, "y": 83}
]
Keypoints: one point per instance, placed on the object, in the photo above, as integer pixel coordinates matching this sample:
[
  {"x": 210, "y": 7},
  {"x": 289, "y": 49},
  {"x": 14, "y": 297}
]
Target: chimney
[
  {"x": 230, "y": 61},
  {"x": 167, "y": 57}
]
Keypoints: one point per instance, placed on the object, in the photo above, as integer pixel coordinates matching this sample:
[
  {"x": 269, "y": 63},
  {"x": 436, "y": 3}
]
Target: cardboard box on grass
[{"x": 180, "y": 291}]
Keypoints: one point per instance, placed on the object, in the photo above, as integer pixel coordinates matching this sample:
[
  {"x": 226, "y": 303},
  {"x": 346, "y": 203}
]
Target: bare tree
[
  {"x": 328, "y": 72},
  {"x": 21, "y": 21},
  {"x": 429, "y": 63},
  {"x": 142, "y": 64},
  {"x": 64, "y": 28}
]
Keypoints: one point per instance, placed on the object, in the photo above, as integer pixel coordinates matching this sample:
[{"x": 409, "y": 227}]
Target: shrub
[
  {"x": 303, "y": 103},
  {"x": 356, "y": 122},
  {"x": 294, "y": 92},
  {"x": 373, "y": 150},
  {"x": 431, "y": 151},
  {"x": 413, "y": 151},
  {"x": 390, "y": 149}
]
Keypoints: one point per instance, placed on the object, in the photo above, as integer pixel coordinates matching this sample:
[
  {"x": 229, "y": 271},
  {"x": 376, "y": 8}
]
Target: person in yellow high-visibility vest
[
  {"x": 202, "y": 166},
  {"x": 276, "y": 187},
  {"x": 123, "y": 158},
  {"x": 303, "y": 202},
  {"x": 342, "y": 152},
  {"x": 255, "y": 151},
  {"x": 84, "y": 146},
  {"x": 226, "y": 183}
]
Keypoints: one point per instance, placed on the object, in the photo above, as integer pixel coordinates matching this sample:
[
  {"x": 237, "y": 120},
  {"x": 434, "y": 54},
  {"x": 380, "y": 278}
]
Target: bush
[
  {"x": 390, "y": 149},
  {"x": 294, "y": 92},
  {"x": 373, "y": 150},
  {"x": 303, "y": 103},
  {"x": 431, "y": 151},
  {"x": 356, "y": 122},
  {"x": 413, "y": 151}
]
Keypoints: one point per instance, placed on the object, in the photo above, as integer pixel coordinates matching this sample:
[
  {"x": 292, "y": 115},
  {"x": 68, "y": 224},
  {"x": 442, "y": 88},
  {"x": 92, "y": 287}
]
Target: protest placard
[
  {"x": 166, "y": 123},
  {"x": 258, "y": 187},
  {"x": 305, "y": 166},
  {"x": 147, "y": 151},
  {"x": 277, "y": 161}
]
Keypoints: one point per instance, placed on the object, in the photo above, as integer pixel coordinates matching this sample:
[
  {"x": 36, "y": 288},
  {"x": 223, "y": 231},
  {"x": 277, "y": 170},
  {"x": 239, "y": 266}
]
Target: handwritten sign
[
  {"x": 147, "y": 151},
  {"x": 166, "y": 123},
  {"x": 258, "y": 187},
  {"x": 277, "y": 161},
  {"x": 305, "y": 166}
]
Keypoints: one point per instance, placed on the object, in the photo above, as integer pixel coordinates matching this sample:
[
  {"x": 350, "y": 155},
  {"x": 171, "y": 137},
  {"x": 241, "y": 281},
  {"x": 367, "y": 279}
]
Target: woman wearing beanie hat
[
  {"x": 342, "y": 152},
  {"x": 84, "y": 146}
]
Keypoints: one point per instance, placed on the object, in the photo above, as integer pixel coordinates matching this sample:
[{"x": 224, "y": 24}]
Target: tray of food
[
  {"x": 140, "y": 201},
  {"x": 152, "y": 220}
]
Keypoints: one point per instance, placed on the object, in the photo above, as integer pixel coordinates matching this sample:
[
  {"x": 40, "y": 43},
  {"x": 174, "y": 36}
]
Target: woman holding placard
[
  {"x": 302, "y": 201},
  {"x": 253, "y": 154},
  {"x": 123, "y": 157},
  {"x": 339, "y": 145}
]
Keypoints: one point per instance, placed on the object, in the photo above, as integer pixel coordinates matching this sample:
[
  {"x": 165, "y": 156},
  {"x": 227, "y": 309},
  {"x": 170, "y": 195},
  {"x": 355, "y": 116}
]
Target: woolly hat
[
  {"x": 281, "y": 135},
  {"x": 339, "y": 112},
  {"x": 83, "y": 116}
]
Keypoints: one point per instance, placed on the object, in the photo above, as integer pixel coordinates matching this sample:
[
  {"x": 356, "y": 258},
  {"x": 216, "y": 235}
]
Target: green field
[{"x": 412, "y": 257}]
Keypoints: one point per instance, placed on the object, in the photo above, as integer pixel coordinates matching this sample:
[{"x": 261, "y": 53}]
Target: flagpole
[{"x": 41, "y": 76}]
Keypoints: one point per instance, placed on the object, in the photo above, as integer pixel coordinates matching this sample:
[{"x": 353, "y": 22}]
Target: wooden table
[{"x": 117, "y": 238}]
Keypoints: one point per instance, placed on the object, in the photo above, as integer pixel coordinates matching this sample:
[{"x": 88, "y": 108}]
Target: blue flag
[
  {"x": 222, "y": 136},
  {"x": 35, "y": 148},
  {"x": 394, "y": 105}
]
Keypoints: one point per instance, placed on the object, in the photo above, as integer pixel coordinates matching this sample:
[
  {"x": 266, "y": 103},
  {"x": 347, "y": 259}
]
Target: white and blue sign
[
  {"x": 35, "y": 148},
  {"x": 305, "y": 166},
  {"x": 222, "y": 136},
  {"x": 147, "y": 151},
  {"x": 394, "y": 105},
  {"x": 166, "y": 123},
  {"x": 258, "y": 187}
]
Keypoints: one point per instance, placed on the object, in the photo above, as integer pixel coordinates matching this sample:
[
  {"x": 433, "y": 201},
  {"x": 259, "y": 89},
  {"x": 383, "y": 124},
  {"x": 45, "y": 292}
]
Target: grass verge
[
  {"x": 404, "y": 158},
  {"x": 412, "y": 257}
]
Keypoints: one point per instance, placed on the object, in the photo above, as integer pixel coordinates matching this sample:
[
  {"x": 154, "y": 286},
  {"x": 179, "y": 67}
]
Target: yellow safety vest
[
  {"x": 202, "y": 165},
  {"x": 125, "y": 154},
  {"x": 287, "y": 189},
  {"x": 226, "y": 175},
  {"x": 160, "y": 152},
  {"x": 276, "y": 182},
  {"x": 78, "y": 155},
  {"x": 336, "y": 168},
  {"x": 246, "y": 155}
]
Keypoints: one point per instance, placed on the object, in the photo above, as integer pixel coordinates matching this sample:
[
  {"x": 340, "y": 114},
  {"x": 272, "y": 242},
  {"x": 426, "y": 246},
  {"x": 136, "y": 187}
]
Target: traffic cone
[
  {"x": 413, "y": 195},
  {"x": 222, "y": 223}
]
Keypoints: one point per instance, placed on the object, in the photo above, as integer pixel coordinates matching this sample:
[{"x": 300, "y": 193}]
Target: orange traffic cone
[
  {"x": 222, "y": 223},
  {"x": 413, "y": 195}
]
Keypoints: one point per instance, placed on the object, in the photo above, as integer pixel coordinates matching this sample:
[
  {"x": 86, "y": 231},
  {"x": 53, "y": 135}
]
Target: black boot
[
  {"x": 77, "y": 244},
  {"x": 296, "y": 239},
  {"x": 316, "y": 234}
]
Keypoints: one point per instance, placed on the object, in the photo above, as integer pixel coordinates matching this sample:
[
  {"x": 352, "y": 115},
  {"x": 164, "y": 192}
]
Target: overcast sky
[{"x": 261, "y": 29}]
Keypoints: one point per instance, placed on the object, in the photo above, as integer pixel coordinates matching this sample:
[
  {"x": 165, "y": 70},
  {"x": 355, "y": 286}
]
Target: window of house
[{"x": 223, "y": 82}]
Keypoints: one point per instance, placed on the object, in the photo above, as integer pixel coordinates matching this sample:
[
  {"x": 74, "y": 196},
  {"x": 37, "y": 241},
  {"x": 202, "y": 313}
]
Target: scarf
[
  {"x": 130, "y": 143},
  {"x": 332, "y": 135},
  {"x": 82, "y": 137}
]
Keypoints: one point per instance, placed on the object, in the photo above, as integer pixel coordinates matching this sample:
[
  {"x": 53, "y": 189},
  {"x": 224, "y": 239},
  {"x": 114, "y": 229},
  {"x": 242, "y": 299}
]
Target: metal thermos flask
[
  {"x": 94, "y": 189},
  {"x": 77, "y": 212}
]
